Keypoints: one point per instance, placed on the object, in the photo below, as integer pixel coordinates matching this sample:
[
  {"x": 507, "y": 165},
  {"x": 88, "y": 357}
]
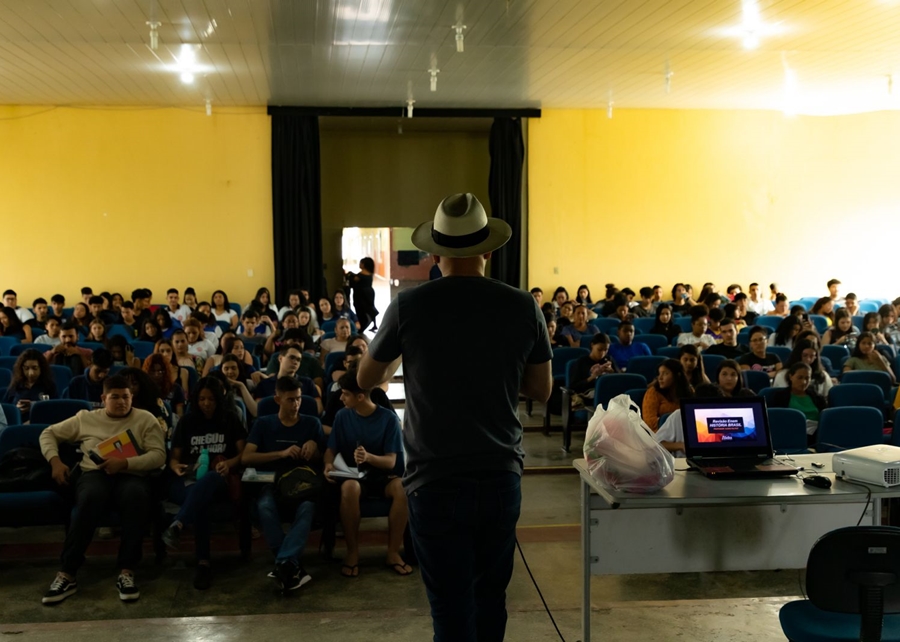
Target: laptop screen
[{"x": 725, "y": 427}]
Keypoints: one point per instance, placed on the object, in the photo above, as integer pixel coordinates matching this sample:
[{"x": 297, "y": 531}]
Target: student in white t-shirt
[
  {"x": 757, "y": 304},
  {"x": 52, "y": 326},
  {"x": 671, "y": 433},
  {"x": 222, "y": 311},
  {"x": 176, "y": 309},
  {"x": 699, "y": 325}
]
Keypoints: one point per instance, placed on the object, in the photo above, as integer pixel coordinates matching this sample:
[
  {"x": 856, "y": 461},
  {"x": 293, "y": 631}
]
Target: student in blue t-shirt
[
  {"x": 626, "y": 348},
  {"x": 367, "y": 436},
  {"x": 89, "y": 386},
  {"x": 285, "y": 441}
]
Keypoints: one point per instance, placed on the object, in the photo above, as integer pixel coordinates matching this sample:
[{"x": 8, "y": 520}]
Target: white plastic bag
[{"x": 621, "y": 452}]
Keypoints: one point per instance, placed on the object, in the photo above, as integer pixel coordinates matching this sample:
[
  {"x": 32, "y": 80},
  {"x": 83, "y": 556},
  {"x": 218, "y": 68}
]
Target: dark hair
[
  {"x": 285, "y": 348},
  {"x": 168, "y": 366},
  {"x": 731, "y": 363},
  {"x": 708, "y": 390},
  {"x": 118, "y": 341},
  {"x": 832, "y": 282},
  {"x": 8, "y": 292},
  {"x": 15, "y": 323},
  {"x": 349, "y": 383},
  {"x": 868, "y": 317},
  {"x": 795, "y": 368},
  {"x": 117, "y": 382},
  {"x": 756, "y": 330},
  {"x": 215, "y": 386},
  {"x": 367, "y": 264},
  {"x": 740, "y": 296},
  {"x": 699, "y": 372},
  {"x": 850, "y": 295},
  {"x": 296, "y": 334},
  {"x": 532, "y": 290},
  {"x": 147, "y": 395},
  {"x": 624, "y": 324},
  {"x": 102, "y": 358},
  {"x": 817, "y": 306},
  {"x": 86, "y": 290},
  {"x": 166, "y": 319},
  {"x": 627, "y": 292},
  {"x": 352, "y": 351},
  {"x": 600, "y": 337},
  {"x": 780, "y": 297},
  {"x": 659, "y": 309},
  {"x": 711, "y": 300},
  {"x": 646, "y": 292},
  {"x": 611, "y": 290},
  {"x": 166, "y": 342},
  {"x": 730, "y": 311},
  {"x": 862, "y": 335},
  {"x": 95, "y": 300},
  {"x": 560, "y": 289},
  {"x": 212, "y": 299},
  {"x": 58, "y": 298},
  {"x": 818, "y": 372},
  {"x": 190, "y": 291},
  {"x": 171, "y": 291},
  {"x": 698, "y": 312},
  {"x": 681, "y": 387},
  {"x": 885, "y": 310},
  {"x": 70, "y": 324},
  {"x": 797, "y": 310},
  {"x": 52, "y": 318},
  {"x": 587, "y": 299},
  {"x": 286, "y": 384},
  {"x": 39, "y": 301},
  {"x": 785, "y": 329},
  {"x": 242, "y": 367},
  {"x": 45, "y": 380},
  {"x": 716, "y": 314},
  {"x": 731, "y": 288},
  {"x": 146, "y": 337},
  {"x": 675, "y": 288},
  {"x": 128, "y": 304}
]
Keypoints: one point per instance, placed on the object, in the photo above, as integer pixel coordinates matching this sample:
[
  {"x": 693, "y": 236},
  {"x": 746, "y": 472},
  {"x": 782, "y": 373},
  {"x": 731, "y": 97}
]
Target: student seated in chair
[
  {"x": 52, "y": 327},
  {"x": 729, "y": 347},
  {"x": 338, "y": 343},
  {"x": 288, "y": 363},
  {"x": 117, "y": 483},
  {"x": 590, "y": 367},
  {"x": 579, "y": 327},
  {"x": 309, "y": 365},
  {"x": 699, "y": 325},
  {"x": 89, "y": 386},
  {"x": 57, "y": 306},
  {"x": 333, "y": 400},
  {"x": 368, "y": 437},
  {"x": 671, "y": 433},
  {"x": 626, "y": 348},
  {"x": 757, "y": 358},
  {"x": 282, "y": 442},
  {"x": 800, "y": 395},
  {"x": 67, "y": 353}
]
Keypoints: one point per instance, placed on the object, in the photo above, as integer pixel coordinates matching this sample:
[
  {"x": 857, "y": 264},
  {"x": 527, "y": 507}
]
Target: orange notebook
[{"x": 121, "y": 446}]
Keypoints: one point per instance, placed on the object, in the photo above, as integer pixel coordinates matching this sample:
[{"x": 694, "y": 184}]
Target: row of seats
[{"x": 644, "y": 325}]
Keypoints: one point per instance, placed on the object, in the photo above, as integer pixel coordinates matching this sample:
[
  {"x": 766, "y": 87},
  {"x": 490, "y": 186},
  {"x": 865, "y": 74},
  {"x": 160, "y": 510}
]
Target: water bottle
[{"x": 204, "y": 463}]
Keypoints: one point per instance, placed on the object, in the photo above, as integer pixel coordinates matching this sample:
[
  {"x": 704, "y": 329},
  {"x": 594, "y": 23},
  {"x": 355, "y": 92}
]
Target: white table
[{"x": 779, "y": 505}]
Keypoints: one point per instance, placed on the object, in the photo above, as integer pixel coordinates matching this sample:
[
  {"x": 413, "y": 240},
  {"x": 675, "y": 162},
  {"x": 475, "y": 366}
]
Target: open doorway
[{"x": 398, "y": 263}]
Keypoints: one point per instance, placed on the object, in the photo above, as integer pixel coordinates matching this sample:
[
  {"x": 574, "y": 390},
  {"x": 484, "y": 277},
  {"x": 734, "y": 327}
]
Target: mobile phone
[{"x": 97, "y": 459}]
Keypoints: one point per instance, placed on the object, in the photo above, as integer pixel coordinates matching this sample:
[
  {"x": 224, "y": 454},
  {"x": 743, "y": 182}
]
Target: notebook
[{"x": 729, "y": 438}]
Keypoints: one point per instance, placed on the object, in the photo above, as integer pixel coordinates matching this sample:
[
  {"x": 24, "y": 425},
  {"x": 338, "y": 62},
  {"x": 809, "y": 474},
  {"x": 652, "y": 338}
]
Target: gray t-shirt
[{"x": 462, "y": 388}]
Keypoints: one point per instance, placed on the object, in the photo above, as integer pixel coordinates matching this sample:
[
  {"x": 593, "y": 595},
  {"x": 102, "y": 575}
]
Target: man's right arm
[
  {"x": 65, "y": 431},
  {"x": 252, "y": 457}
]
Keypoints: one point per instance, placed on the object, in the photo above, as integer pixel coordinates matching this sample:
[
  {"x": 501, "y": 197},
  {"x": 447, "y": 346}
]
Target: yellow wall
[
  {"x": 124, "y": 198},
  {"x": 384, "y": 179},
  {"x": 659, "y": 196}
]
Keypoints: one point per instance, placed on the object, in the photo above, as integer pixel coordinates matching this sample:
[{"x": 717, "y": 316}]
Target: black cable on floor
[{"x": 538, "y": 589}]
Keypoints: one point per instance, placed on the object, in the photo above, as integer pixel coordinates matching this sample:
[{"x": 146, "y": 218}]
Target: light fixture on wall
[
  {"x": 154, "y": 33},
  {"x": 609, "y": 106},
  {"x": 434, "y": 73},
  {"x": 668, "y": 78},
  {"x": 460, "y": 37},
  {"x": 208, "y": 107},
  {"x": 409, "y": 107},
  {"x": 750, "y": 24},
  {"x": 186, "y": 63}
]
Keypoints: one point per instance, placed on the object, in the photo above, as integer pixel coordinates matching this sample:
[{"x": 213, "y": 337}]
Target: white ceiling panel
[{"x": 518, "y": 53}]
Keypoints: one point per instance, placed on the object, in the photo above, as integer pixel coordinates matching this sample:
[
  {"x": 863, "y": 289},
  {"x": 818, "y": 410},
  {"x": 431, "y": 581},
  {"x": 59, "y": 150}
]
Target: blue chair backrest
[
  {"x": 116, "y": 369},
  {"x": 653, "y": 341},
  {"x": 643, "y": 325},
  {"x": 768, "y": 322},
  {"x": 809, "y": 301},
  {"x": 237, "y": 308},
  {"x": 684, "y": 323},
  {"x": 611, "y": 385},
  {"x": 856, "y": 394},
  {"x": 17, "y": 436},
  {"x": 224, "y": 326},
  {"x": 119, "y": 330},
  {"x": 6, "y": 344},
  {"x": 585, "y": 341},
  {"x": 5, "y": 379},
  {"x": 332, "y": 361},
  {"x": 569, "y": 366},
  {"x": 266, "y": 406},
  {"x": 90, "y": 345},
  {"x": 782, "y": 352},
  {"x": 849, "y": 427},
  {"x": 308, "y": 406},
  {"x": 8, "y": 362},
  {"x": 19, "y": 348},
  {"x": 637, "y": 396},
  {"x": 820, "y": 322},
  {"x": 647, "y": 367},
  {"x": 143, "y": 349},
  {"x": 799, "y": 302},
  {"x": 606, "y": 324},
  {"x": 866, "y": 306},
  {"x": 561, "y": 356},
  {"x": 62, "y": 377},
  {"x": 12, "y": 414},
  {"x": 743, "y": 338},
  {"x": 328, "y": 326},
  {"x": 766, "y": 393},
  {"x": 756, "y": 380},
  {"x": 669, "y": 352},
  {"x": 880, "y": 379},
  {"x": 56, "y": 410},
  {"x": 835, "y": 353},
  {"x": 711, "y": 364},
  {"x": 327, "y": 335},
  {"x": 788, "y": 428}
]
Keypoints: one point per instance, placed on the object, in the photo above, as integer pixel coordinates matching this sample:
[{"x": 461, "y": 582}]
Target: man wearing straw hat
[{"x": 462, "y": 435}]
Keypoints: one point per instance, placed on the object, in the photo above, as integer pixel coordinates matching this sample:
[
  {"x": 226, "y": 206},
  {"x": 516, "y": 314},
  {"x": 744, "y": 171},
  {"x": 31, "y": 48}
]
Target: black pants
[{"x": 95, "y": 494}]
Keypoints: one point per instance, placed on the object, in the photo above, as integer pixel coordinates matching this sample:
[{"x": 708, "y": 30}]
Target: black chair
[{"x": 853, "y": 582}]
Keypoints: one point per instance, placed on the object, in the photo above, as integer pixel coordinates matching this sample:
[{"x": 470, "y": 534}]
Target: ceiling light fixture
[
  {"x": 668, "y": 76},
  {"x": 609, "y": 106},
  {"x": 208, "y": 107},
  {"x": 409, "y": 107},
  {"x": 187, "y": 78},
  {"x": 154, "y": 33},
  {"x": 750, "y": 24},
  {"x": 434, "y": 72},
  {"x": 460, "y": 37}
]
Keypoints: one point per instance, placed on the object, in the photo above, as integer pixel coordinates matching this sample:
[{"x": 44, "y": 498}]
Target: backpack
[
  {"x": 24, "y": 470},
  {"x": 300, "y": 483}
]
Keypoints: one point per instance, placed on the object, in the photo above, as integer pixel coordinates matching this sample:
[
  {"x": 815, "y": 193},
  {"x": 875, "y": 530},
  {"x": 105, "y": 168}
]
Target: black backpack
[
  {"x": 300, "y": 483},
  {"x": 23, "y": 470}
]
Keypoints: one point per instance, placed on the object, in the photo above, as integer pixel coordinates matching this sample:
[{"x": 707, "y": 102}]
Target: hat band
[{"x": 457, "y": 242}]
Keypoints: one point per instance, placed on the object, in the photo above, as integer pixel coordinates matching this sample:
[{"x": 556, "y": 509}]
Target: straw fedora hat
[{"x": 461, "y": 228}]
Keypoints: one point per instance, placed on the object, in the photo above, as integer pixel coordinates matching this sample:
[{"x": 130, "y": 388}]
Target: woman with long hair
[
  {"x": 145, "y": 396},
  {"x": 165, "y": 376},
  {"x": 825, "y": 307},
  {"x": 784, "y": 334},
  {"x": 262, "y": 304},
  {"x": 81, "y": 314},
  {"x": 584, "y": 296},
  {"x": 150, "y": 331},
  {"x": 221, "y": 309},
  {"x": 664, "y": 395},
  {"x": 122, "y": 352},
  {"x": 806, "y": 351},
  {"x": 12, "y": 326},
  {"x": 32, "y": 378},
  {"x": 692, "y": 365},
  {"x": 364, "y": 293},
  {"x": 664, "y": 324},
  {"x": 730, "y": 380},
  {"x": 866, "y": 357},
  {"x": 342, "y": 309},
  {"x": 177, "y": 374},
  {"x": 97, "y": 333},
  {"x": 800, "y": 395},
  {"x": 211, "y": 427},
  {"x": 843, "y": 332},
  {"x": 166, "y": 324}
]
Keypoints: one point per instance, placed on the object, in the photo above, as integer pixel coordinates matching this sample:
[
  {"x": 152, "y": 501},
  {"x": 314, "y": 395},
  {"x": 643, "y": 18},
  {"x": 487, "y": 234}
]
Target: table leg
[
  {"x": 586, "y": 562},
  {"x": 876, "y": 511}
]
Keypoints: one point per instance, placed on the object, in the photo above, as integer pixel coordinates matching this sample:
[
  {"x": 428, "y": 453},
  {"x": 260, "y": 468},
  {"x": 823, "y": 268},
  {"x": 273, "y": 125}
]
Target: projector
[{"x": 877, "y": 465}]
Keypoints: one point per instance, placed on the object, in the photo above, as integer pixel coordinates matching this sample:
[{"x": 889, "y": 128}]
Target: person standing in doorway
[
  {"x": 464, "y": 460},
  {"x": 364, "y": 293}
]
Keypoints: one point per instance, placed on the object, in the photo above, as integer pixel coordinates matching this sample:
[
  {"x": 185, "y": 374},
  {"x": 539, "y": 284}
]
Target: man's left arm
[{"x": 383, "y": 358}]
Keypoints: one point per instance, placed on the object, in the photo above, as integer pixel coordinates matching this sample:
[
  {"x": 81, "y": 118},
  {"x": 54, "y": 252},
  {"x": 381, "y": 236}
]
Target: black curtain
[
  {"x": 505, "y": 191},
  {"x": 296, "y": 203}
]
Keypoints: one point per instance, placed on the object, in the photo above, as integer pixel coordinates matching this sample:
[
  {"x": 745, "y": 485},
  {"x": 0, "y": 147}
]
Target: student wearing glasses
[{"x": 758, "y": 358}]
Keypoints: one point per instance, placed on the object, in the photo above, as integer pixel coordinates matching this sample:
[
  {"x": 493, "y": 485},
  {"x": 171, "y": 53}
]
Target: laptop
[{"x": 729, "y": 438}]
